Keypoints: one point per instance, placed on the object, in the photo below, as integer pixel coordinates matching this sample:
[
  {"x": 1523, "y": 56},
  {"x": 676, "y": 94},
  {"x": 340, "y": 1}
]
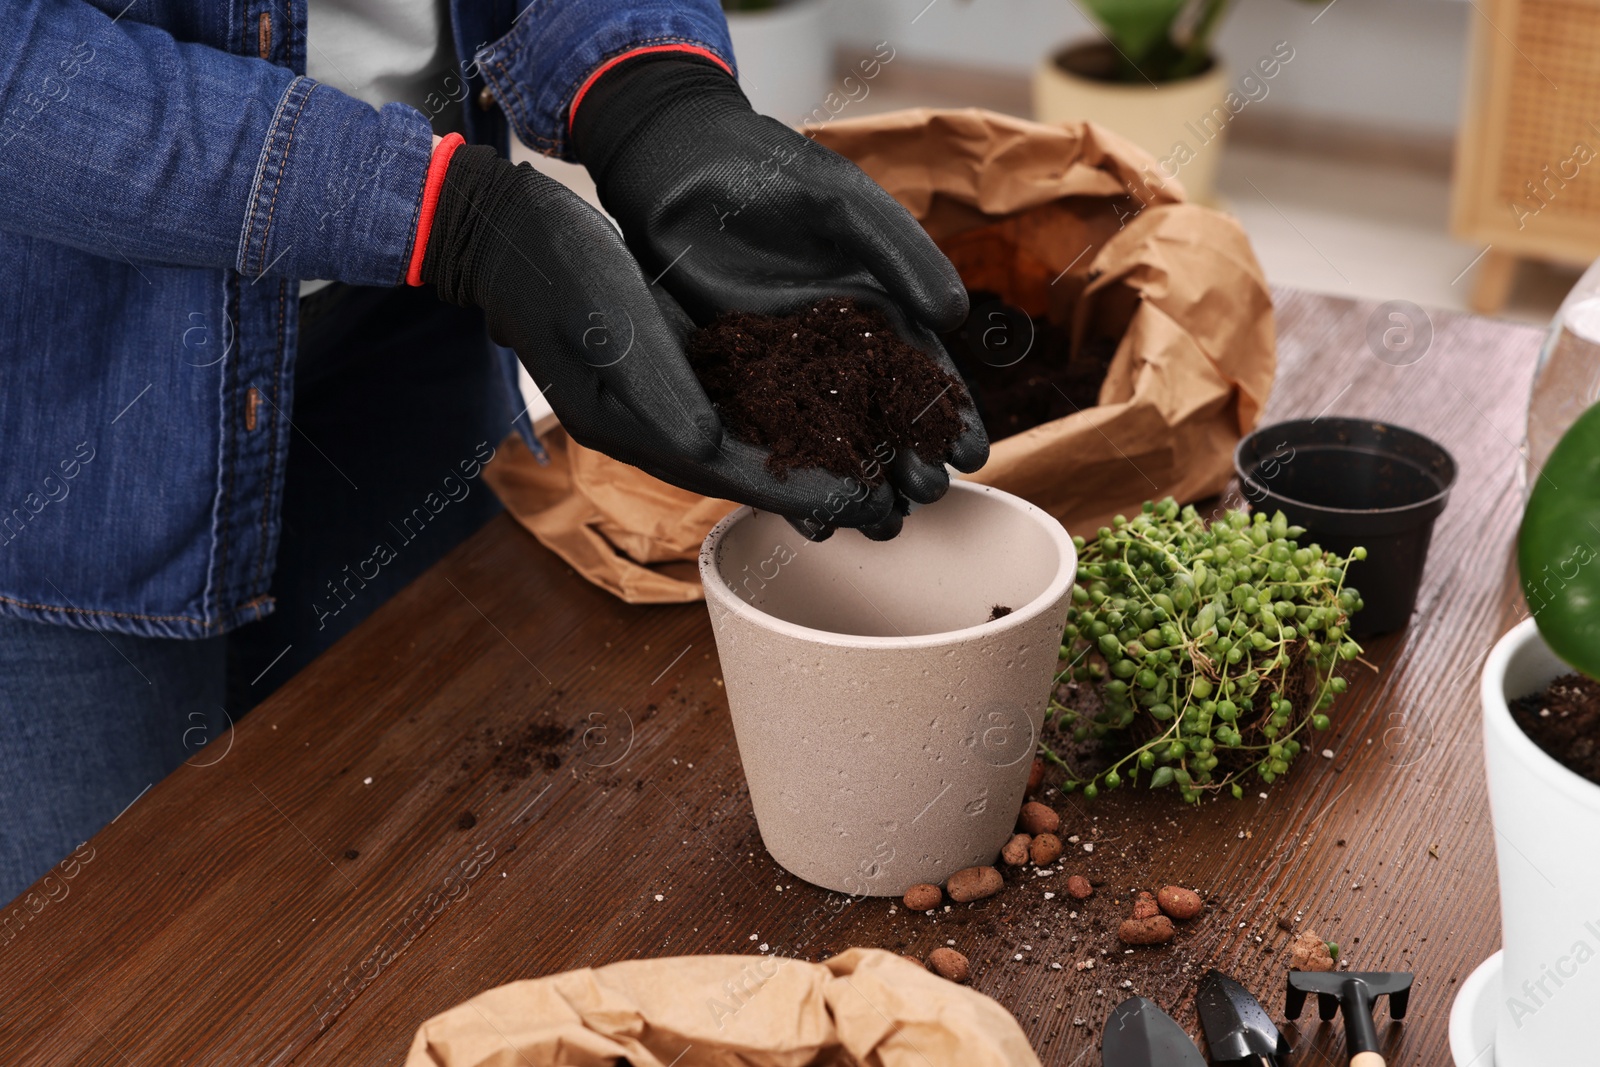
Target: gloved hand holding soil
[{"x": 733, "y": 213}]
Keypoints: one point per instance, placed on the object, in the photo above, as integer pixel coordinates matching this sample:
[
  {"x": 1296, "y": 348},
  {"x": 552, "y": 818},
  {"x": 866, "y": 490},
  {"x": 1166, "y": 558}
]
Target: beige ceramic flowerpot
[
  {"x": 1182, "y": 124},
  {"x": 886, "y": 724}
]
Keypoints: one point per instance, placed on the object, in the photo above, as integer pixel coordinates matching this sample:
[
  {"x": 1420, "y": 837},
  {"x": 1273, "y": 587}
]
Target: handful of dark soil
[
  {"x": 832, "y": 386},
  {"x": 1564, "y": 721}
]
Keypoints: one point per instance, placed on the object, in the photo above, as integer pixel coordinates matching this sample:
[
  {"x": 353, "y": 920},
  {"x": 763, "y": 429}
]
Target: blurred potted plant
[
  {"x": 784, "y": 54},
  {"x": 1151, "y": 76},
  {"x": 1541, "y": 730}
]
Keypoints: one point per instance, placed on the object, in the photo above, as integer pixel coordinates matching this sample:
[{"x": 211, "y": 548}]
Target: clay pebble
[
  {"x": 1037, "y": 818},
  {"x": 948, "y": 963},
  {"x": 1015, "y": 851},
  {"x": 973, "y": 883},
  {"x": 1308, "y": 952},
  {"x": 1178, "y": 902},
  {"x": 1155, "y": 930},
  {"x": 1145, "y": 907},
  {"x": 1045, "y": 849}
]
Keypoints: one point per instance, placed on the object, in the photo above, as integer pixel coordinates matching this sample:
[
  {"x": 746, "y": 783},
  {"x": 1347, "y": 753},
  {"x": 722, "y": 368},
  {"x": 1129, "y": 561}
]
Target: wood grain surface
[{"x": 506, "y": 773}]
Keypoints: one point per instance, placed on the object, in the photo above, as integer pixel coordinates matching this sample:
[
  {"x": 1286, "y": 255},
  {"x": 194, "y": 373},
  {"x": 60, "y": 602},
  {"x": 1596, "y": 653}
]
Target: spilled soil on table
[{"x": 537, "y": 746}]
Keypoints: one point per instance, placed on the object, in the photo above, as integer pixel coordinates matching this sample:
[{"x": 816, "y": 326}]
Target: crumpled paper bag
[
  {"x": 864, "y": 1007},
  {"x": 1068, "y": 221},
  {"x": 622, "y": 529}
]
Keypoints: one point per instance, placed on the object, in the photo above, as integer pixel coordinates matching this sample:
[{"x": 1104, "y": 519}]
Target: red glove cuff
[
  {"x": 437, "y": 165},
  {"x": 691, "y": 49}
]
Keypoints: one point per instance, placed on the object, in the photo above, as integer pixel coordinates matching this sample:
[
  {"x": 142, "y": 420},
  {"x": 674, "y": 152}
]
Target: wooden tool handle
[{"x": 1366, "y": 1059}]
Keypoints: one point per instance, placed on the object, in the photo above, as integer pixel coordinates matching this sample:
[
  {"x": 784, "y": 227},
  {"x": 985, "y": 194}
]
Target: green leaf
[
  {"x": 1558, "y": 548},
  {"x": 1162, "y": 778},
  {"x": 1137, "y": 27}
]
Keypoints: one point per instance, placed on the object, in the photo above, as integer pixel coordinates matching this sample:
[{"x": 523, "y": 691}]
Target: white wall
[{"x": 1397, "y": 64}]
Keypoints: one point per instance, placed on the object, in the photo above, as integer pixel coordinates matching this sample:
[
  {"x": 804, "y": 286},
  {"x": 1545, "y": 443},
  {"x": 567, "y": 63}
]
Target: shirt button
[{"x": 485, "y": 99}]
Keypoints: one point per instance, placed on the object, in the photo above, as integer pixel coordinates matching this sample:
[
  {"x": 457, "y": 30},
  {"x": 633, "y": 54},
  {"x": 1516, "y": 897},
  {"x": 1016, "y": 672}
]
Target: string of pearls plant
[{"x": 1213, "y": 646}]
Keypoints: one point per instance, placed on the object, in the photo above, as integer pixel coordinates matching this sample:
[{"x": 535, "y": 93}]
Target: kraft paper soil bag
[
  {"x": 1068, "y": 222},
  {"x": 865, "y": 1007}
]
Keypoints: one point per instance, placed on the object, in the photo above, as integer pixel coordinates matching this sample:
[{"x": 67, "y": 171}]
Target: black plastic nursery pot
[{"x": 1353, "y": 482}]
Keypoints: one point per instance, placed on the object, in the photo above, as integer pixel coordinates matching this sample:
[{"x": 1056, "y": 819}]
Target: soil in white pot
[
  {"x": 1564, "y": 721},
  {"x": 831, "y": 386}
]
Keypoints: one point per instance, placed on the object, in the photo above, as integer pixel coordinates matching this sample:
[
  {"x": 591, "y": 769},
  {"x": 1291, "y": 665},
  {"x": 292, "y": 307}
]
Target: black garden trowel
[
  {"x": 1238, "y": 1029},
  {"x": 1139, "y": 1034}
]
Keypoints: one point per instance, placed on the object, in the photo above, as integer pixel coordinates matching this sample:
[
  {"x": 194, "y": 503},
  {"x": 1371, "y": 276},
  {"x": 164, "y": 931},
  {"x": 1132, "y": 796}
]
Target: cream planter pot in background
[
  {"x": 1158, "y": 118},
  {"x": 785, "y": 57},
  {"x": 885, "y": 723},
  {"x": 1547, "y": 846}
]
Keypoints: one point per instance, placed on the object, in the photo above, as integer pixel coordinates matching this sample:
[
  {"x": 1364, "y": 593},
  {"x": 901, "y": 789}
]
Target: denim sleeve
[
  {"x": 555, "y": 45},
  {"x": 120, "y": 141}
]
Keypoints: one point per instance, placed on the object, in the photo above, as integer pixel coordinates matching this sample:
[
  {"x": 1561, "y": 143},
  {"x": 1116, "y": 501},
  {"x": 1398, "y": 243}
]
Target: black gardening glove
[
  {"x": 737, "y": 212},
  {"x": 560, "y": 288}
]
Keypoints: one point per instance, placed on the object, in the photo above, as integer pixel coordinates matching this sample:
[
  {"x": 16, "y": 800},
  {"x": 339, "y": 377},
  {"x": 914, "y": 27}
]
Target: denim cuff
[
  {"x": 537, "y": 68},
  {"x": 337, "y": 190}
]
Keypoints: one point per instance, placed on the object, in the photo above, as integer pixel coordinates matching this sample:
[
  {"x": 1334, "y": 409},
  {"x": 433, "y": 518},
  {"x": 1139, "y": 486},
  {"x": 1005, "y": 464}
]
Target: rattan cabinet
[{"x": 1527, "y": 181}]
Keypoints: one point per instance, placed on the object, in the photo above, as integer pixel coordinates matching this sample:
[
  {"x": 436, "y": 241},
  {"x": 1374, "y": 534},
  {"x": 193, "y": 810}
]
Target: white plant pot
[
  {"x": 1181, "y": 124},
  {"x": 785, "y": 58},
  {"x": 885, "y": 724},
  {"x": 1547, "y": 845}
]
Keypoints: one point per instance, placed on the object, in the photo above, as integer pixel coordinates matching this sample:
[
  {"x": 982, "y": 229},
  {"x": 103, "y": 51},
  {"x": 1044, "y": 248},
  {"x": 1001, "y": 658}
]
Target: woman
[{"x": 255, "y": 256}]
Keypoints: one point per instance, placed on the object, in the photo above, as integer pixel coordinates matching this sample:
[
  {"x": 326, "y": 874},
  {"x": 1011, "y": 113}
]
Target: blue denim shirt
[{"x": 167, "y": 173}]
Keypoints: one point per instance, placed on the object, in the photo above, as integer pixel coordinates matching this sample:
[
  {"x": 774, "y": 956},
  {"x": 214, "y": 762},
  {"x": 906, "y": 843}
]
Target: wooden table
[{"x": 454, "y": 798}]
